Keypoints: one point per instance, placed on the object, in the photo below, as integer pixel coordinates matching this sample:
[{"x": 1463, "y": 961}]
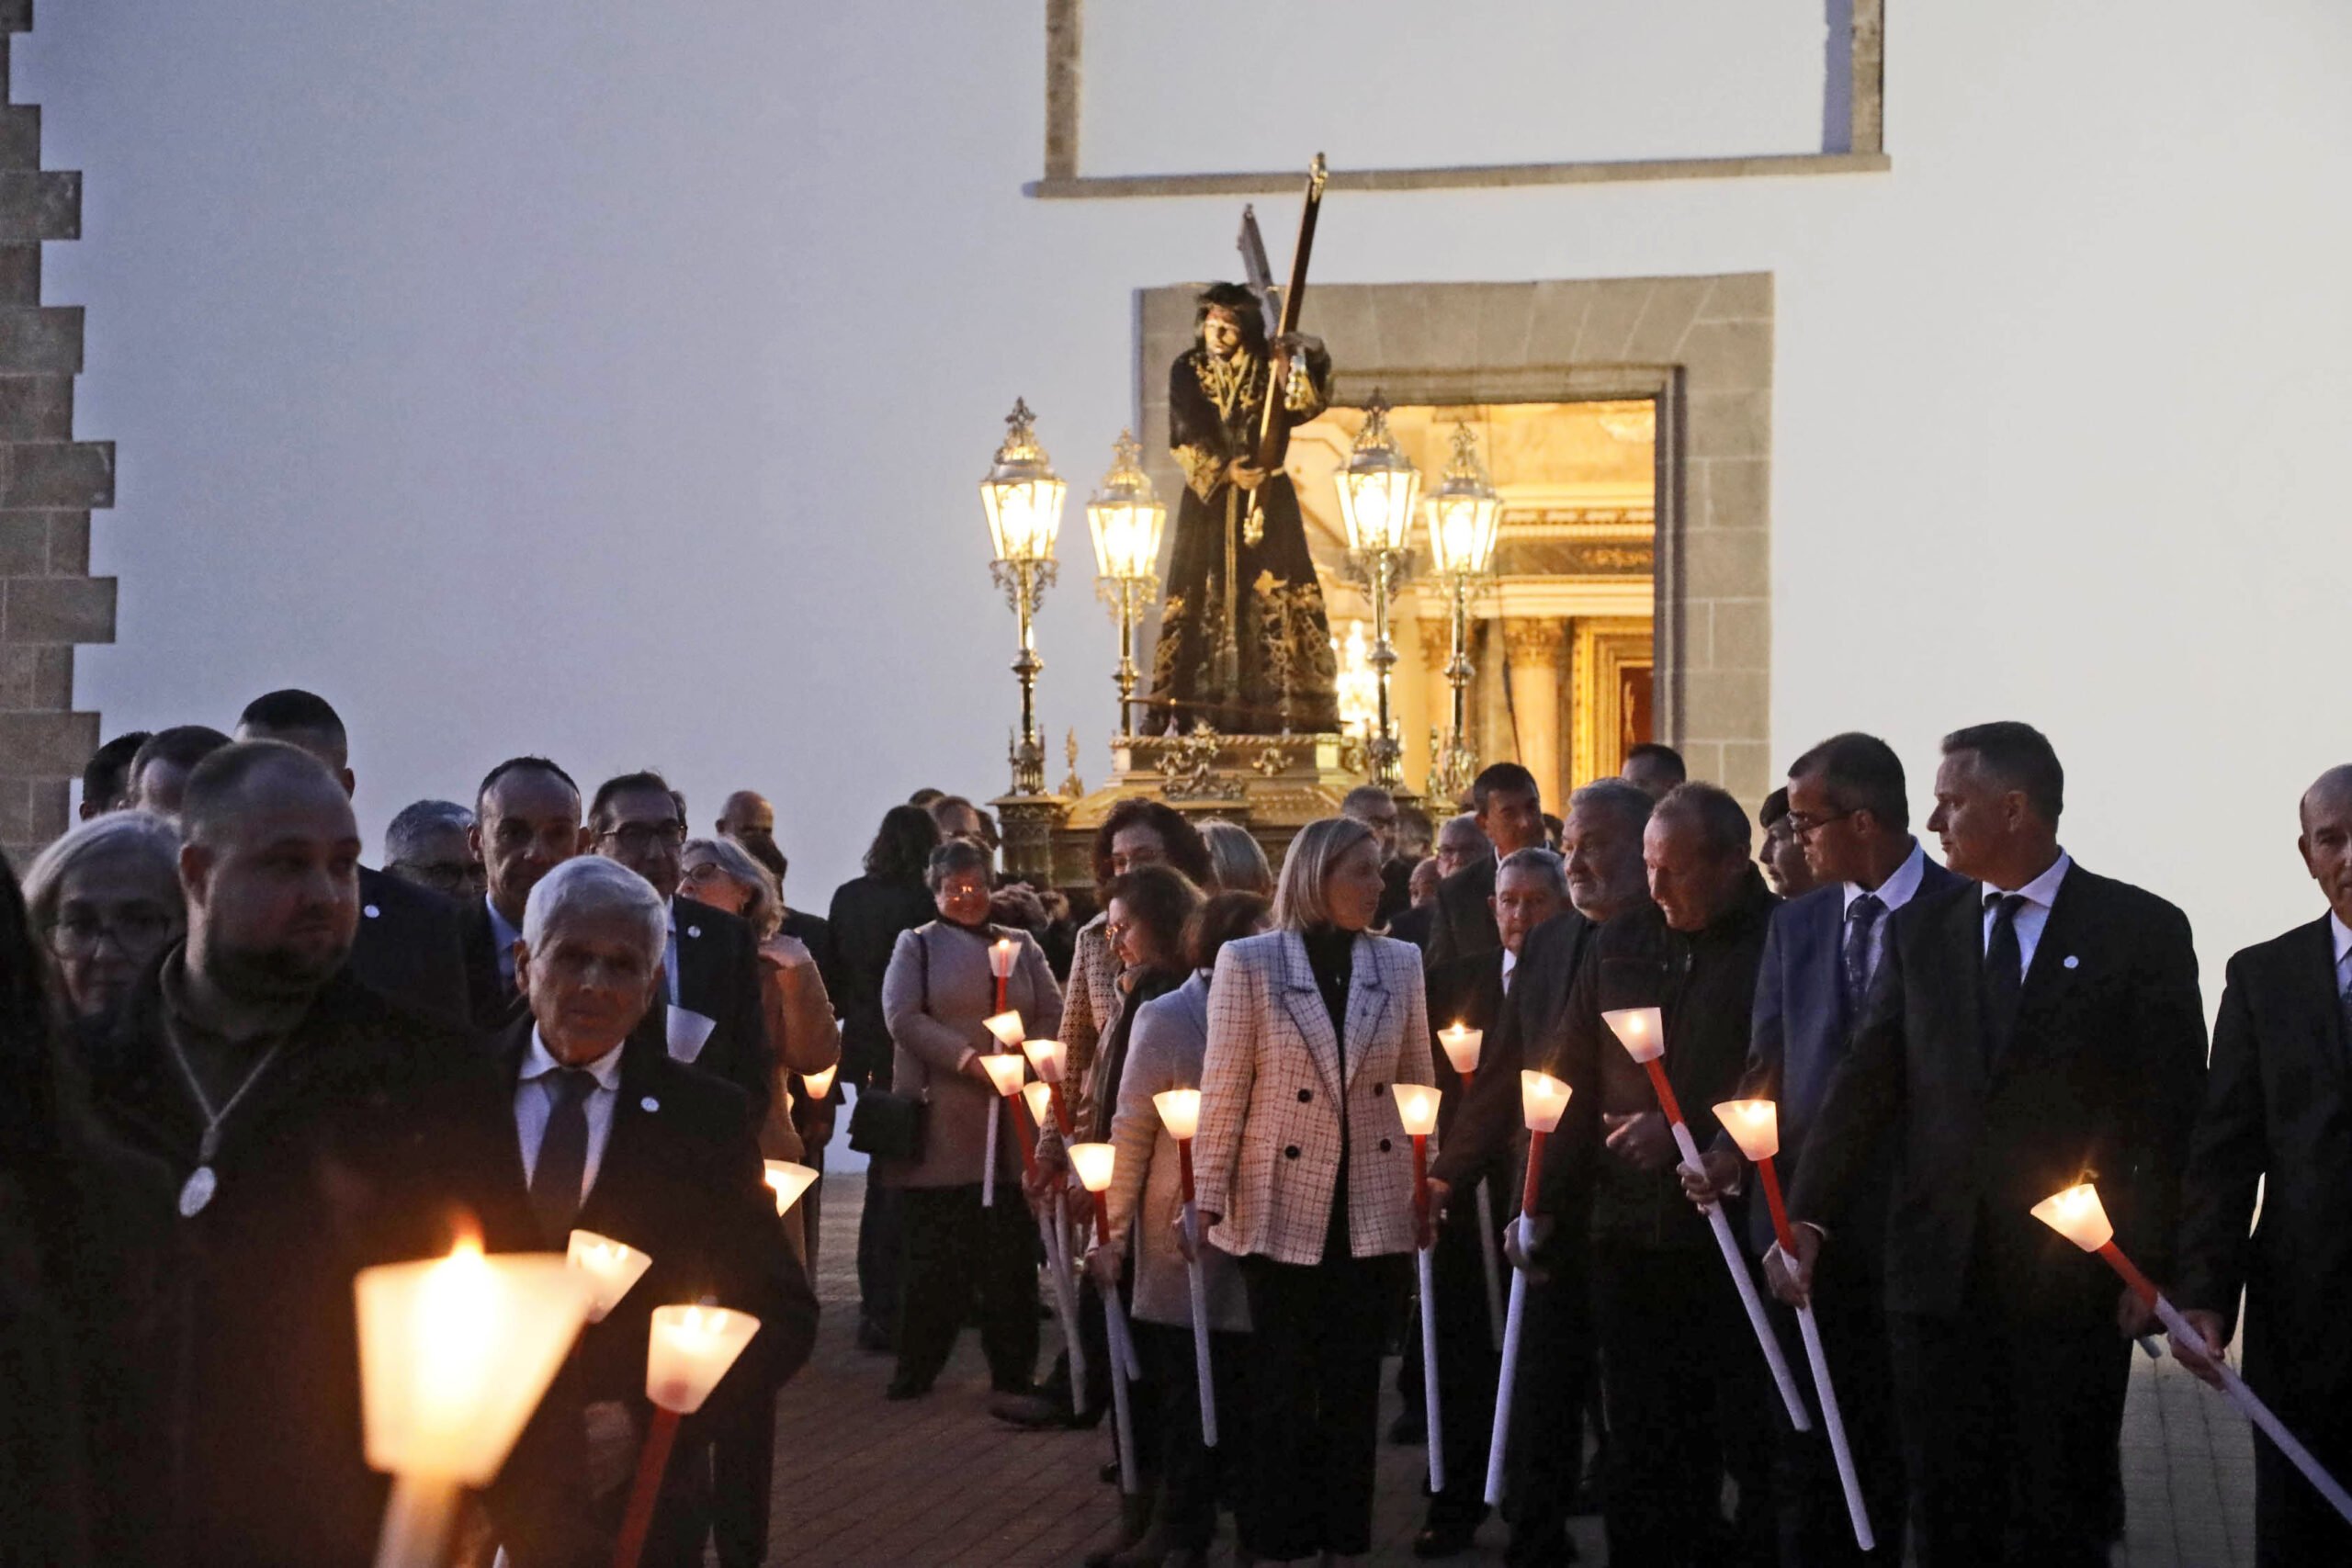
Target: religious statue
[{"x": 1244, "y": 642}]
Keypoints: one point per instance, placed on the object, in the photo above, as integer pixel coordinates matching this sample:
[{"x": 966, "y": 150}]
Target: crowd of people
[{"x": 241, "y": 1065}]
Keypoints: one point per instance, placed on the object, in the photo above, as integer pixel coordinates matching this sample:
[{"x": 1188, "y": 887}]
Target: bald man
[
  {"x": 306, "y": 1127},
  {"x": 2278, "y": 1108}
]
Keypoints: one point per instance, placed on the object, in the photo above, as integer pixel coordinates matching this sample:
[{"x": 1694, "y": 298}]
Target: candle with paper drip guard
[
  {"x": 1094, "y": 1164},
  {"x": 1179, "y": 1113},
  {"x": 2077, "y": 1215},
  {"x": 454, "y": 1354},
  {"x": 1755, "y": 1126},
  {"x": 1463, "y": 1045},
  {"x": 820, "y": 1084},
  {"x": 689, "y": 1350},
  {"x": 1054, "y": 1228},
  {"x": 1005, "y": 1070},
  {"x": 1049, "y": 1058},
  {"x": 1003, "y": 955},
  {"x": 1642, "y": 1031},
  {"x": 789, "y": 1181},
  {"x": 1543, "y": 1099},
  {"x": 610, "y": 1267},
  {"x": 1416, "y": 1109}
]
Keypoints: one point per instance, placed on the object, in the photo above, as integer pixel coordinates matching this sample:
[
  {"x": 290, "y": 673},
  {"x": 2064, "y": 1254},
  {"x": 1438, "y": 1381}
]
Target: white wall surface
[{"x": 612, "y": 382}]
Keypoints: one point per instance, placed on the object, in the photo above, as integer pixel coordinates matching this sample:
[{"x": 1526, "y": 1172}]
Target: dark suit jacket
[
  {"x": 680, "y": 1181},
  {"x": 352, "y": 1148},
  {"x": 2101, "y": 1076},
  {"x": 1396, "y": 889},
  {"x": 866, "y": 916},
  {"x": 1415, "y": 925},
  {"x": 408, "y": 947},
  {"x": 2278, "y": 1109},
  {"x": 1800, "y": 1028},
  {"x": 1465, "y": 923},
  {"x": 719, "y": 976},
  {"x": 1468, "y": 991},
  {"x": 1490, "y": 1129},
  {"x": 490, "y": 1002}
]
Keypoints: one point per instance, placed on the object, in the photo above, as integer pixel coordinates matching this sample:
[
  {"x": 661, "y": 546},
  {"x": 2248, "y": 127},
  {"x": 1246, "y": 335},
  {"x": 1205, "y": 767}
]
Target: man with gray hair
[
  {"x": 430, "y": 843},
  {"x": 309, "y": 1127},
  {"x": 615, "y": 1138},
  {"x": 1530, "y": 889}
]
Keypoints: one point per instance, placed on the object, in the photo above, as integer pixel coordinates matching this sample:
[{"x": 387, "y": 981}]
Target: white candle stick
[
  {"x": 1642, "y": 1032},
  {"x": 1417, "y": 1110},
  {"x": 1543, "y": 1098},
  {"x": 1490, "y": 1255},
  {"x": 1094, "y": 1163},
  {"x": 2077, "y": 1215},
  {"x": 1179, "y": 1113},
  {"x": 1055, "y": 1227}
]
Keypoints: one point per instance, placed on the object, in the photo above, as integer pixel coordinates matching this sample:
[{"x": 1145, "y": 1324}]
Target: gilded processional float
[{"x": 1241, "y": 716}]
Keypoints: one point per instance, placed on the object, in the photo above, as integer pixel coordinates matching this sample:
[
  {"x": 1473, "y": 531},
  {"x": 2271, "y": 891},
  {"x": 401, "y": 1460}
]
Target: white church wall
[{"x": 580, "y": 380}]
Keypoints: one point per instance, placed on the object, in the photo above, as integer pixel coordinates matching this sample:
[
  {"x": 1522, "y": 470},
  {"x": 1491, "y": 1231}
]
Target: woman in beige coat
[{"x": 1305, "y": 1175}]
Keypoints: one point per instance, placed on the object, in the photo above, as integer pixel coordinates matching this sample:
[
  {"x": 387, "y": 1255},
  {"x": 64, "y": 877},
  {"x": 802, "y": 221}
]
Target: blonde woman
[{"x": 1305, "y": 1177}]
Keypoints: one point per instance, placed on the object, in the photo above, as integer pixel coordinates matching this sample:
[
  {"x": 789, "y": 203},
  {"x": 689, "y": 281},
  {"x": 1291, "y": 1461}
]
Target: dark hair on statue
[
  {"x": 1186, "y": 849},
  {"x": 902, "y": 846},
  {"x": 1244, "y": 305},
  {"x": 1226, "y": 917},
  {"x": 2019, "y": 756},
  {"x": 1161, "y": 899}
]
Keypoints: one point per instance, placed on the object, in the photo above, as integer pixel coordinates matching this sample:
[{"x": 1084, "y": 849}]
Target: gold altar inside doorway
[{"x": 1562, "y": 641}]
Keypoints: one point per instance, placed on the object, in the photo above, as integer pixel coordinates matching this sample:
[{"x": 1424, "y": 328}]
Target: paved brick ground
[{"x": 937, "y": 1482}]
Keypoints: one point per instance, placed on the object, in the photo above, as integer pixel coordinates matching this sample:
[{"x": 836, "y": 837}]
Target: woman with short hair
[
  {"x": 1305, "y": 1176},
  {"x": 938, "y": 991},
  {"x": 105, "y": 900},
  {"x": 1236, "y": 862}
]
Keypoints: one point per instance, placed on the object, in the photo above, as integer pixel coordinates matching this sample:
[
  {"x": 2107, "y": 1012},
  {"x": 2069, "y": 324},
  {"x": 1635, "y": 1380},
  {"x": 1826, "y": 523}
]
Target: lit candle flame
[
  {"x": 2078, "y": 1215},
  {"x": 1754, "y": 1125},
  {"x": 1543, "y": 1099}
]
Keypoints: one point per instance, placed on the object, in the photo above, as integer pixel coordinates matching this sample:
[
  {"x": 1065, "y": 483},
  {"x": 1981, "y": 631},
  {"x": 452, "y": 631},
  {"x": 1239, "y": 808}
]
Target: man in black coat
[
  {"x": 2021, "y": 1033},
  {"x": 714, "y": 1020},
  {"x": 526, "y": 822},
  {"x": 1847, "y": 808},
  {"x": 1602, "y": 835},
  {"x": 408, "y": 944},
  {"x": 311, "y": 1128},
  {"x": 1530, "y": 890},
  {"x": 1509, "y": 810},
  {"x": 2278, "y": 1118},
  {"x": 599, "y": 1130},
  {"x": 1688, "y": 1392}
]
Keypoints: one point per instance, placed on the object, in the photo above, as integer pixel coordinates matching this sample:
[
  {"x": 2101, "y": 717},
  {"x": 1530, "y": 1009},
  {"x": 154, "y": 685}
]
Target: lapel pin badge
[
  {"x": 370, "y": 912},
  {"x": 2073, "y": 961},
  {"x": 650, "y": 1103},
  {"x": 694, "y": 931}
]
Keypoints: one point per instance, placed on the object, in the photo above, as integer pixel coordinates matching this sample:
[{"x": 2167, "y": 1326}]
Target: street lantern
[
  {"x": 1023, "y": 497},
  {"x": 1465, "y": 517},
  {"x": 1126, "y": 519},
  {"x": 1376, "y": 491}
]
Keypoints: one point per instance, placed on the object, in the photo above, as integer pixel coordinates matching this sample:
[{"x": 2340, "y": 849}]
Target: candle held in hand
[
  {"x": 1642, "y": 1031},
  {"x": 1417, "y": 1108},
  {"x": 1006, "y": 1027},
  {"x": 1543, "y": 1098},
  {"x": 1179, "y": 1113},
  {"x": 1039, "y": 1098},
  {"x": 820, "y": 1084},
  {"x": 1754, "y": 1125},
  {"x": 789, "y": 1181},
  {"x": 690, "y": 1349},
  {"x": 610, "y": 1268},
  {"x": 1047, "y": 1056},
  {"x": 1462, "y": 1046}
]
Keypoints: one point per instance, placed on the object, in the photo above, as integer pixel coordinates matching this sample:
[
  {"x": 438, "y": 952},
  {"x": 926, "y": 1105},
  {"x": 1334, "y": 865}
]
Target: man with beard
[{"x": 309, "y": 1126}]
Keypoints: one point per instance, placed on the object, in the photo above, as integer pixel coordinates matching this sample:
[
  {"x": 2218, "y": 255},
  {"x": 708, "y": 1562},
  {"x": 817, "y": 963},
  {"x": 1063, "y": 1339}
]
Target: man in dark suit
[
  {"x": 408, "y": 941},
  {"x": 2278, "y": 1110},
  {"x": 603, "y": 1132},
  {"x": 1530, "y": 889},
  {"x": 309, "y": 1127},
  {"x": 714, "y": 1020},
  {"x": 1377, "y": 809},
  {"x": 1510, "y": 812},
  {"x": 2020, "y": 1034},
  {"x": 1846, "y": 807},
  {"x": 1602, "y": 835},
  {"x": 526, "y": 822}
]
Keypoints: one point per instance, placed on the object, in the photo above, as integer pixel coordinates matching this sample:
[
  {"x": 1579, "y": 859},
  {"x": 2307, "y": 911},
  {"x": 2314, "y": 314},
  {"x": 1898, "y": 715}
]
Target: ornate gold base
[{"x": 1271, "y": 784}]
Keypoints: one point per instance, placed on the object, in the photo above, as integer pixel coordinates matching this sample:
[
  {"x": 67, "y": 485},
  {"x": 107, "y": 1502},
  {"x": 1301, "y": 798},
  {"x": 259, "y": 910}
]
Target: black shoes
[
  {"x": 873, "y": 1335},
  {"x": 905, "y": 1386},
  {"x": 1447, "y": 1538}
]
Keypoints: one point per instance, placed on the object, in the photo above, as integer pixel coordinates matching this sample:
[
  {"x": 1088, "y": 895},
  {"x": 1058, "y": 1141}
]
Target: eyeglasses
[
  {"x": 1803, "y": 826},
  {"x": 641, "y": 838},
  {"x": 136, "y": 933},
  {"x": 1113, "y": 932}
]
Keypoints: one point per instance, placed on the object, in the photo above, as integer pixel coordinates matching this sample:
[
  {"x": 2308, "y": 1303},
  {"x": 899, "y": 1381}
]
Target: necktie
[
  {"x": 1862, "y": 917},
  {"x": 563, "y": 1154},
  {"x": 2004, "y": 972},
  {"x": 2343, "y": 998}
]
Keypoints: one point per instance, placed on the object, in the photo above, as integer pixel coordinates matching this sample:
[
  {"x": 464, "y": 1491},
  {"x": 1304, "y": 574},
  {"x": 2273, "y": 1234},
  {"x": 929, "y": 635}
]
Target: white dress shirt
[
  {"x": 1511, "y": 962},
  {"x": 1901, "y": 885},
  {"x": 535, "y": 1094},
  {"x": 670, "y": 953},
  {"x": 2033, "y": 914},
  {"x": 2343, "y": 934},
  {"x": 503, "y": 937}
]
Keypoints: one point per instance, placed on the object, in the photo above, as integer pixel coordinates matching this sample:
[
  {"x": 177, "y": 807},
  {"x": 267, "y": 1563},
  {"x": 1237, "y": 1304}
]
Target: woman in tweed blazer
[
  {"x": 934, "y": 995},
  {"x": 1305, "y": 1175}
]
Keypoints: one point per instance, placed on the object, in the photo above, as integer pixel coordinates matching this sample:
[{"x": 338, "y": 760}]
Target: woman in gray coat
[
  {"x": 934, "y": 995},
  {"x": 1147, "y": 1204}
]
